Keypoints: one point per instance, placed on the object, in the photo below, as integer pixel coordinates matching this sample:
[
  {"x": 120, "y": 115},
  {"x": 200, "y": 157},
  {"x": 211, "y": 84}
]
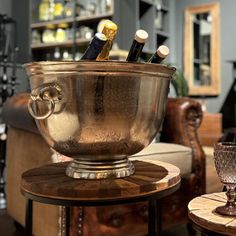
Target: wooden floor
[{"x": 7, "y": 226}]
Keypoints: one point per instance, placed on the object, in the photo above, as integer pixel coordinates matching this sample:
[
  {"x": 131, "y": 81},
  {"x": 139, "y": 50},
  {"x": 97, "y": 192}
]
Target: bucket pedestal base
[{"x": 80, "y": 169}]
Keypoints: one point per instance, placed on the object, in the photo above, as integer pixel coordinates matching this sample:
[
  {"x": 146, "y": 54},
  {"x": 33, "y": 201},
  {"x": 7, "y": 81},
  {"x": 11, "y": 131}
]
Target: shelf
[
  {"x": 162, "y": 37},
  {"x": 164, "y": 9},
  {"x": 197, "y": 61},
  {"x": 200, "y": 61},
  {"x": 144, "y": 7},
  {"x": 148, "y": 51},
  {"x": 231, "y": 61},
  {"x": 43, "y": 24},
  {"x": 162, "y": 33},
  {"x": 68, "y": 43},
  {"x": 147, "y": 2}
]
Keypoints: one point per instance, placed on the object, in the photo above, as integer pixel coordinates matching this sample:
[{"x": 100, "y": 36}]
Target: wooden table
[
  {"x": 49, "y": 184},
  {"x": 204, "y": 218}
]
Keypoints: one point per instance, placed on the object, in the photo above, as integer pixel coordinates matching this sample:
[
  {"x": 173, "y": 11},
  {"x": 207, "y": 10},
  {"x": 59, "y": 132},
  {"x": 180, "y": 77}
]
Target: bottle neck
[
  {"x": 135, "y": 51},
  {"x": 104, "y": 55},
  {"x": 156, "y": 58}
]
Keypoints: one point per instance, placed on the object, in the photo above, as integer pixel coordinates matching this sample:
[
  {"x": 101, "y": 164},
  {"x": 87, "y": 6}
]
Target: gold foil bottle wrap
[{"x": 110, "y": 30}]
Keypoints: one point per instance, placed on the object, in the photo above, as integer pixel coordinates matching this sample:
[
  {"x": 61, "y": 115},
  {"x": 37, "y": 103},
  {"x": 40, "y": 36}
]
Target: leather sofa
[{"x": 27, "y": 149}]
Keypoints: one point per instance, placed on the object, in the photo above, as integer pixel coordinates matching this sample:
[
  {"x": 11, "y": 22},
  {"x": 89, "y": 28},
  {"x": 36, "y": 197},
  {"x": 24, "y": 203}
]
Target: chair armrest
[
  {"x": 183, "y": 118},
  {"x": 15, "y": 113}
]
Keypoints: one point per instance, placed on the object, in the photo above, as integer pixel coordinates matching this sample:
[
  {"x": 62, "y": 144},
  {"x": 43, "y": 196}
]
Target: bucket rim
[{"x": 56, "y": 67}]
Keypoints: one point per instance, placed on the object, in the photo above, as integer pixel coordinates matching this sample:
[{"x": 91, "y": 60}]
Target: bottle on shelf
[
  {"x": 104, "y": 6},
  {"x": 95, "y": 47},
  {"x": 68, "y": 8},
  {"x": 135, "y": 51},
  {"x": 51, "y": 10},
  {"x": 58, "y": 9},
  {"x": 48, "y": 35},
  {"x": 61, "y": 33},
  {"x": 161, "y": 53},
  {"x": 44, "y": 10},
  {"x": 57, "y": 54},
  {"x": 108, "y": 6},
  {"x": 78, "y": 55},
  {"x": 66, "y": 56},
  {"x": 110, "y": 30},
  {"x": 35, "y": 37}
]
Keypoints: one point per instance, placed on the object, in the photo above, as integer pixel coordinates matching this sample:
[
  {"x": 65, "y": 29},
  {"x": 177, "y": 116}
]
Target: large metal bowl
[{"x": 98, "y": 112}]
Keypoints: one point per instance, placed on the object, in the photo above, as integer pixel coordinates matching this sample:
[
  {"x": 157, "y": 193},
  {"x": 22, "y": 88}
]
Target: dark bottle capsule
[
  {"x": 161, "y": 53},
  {"x": 135, "y": 51},
  {"x": 95, "y": 47}
]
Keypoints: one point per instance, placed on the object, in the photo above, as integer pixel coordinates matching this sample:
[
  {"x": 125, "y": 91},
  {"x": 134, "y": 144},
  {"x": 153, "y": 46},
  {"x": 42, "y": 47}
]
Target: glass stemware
[{"x": 225, "y": 163}]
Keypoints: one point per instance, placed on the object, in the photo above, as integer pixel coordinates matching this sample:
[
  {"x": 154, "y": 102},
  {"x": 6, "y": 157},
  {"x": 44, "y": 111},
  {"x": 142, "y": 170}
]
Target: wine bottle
[
  {"x": 94, "y": 47},
  {"x": 135, "y": 51},
  {"x": 58, "y": 9},
  {"x": 44, "y": 10},
  {"x": 161, "y": 53},
  {"x": 110, "y": 30}
]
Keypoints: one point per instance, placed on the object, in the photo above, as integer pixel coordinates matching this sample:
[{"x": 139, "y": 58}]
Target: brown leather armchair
[
  {"x": 183, "y": 118},
  {"x": 26, "y": 149}
]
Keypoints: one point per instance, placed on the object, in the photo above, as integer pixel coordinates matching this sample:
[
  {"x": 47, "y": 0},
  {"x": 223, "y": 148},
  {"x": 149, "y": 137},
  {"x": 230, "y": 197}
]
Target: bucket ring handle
[{"x": 47, "y": 94}]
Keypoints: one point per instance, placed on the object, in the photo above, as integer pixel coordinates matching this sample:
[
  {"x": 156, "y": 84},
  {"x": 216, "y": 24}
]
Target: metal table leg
[
  {"x": 154, "y": 218},
  {"x": 158, "y": 217},
  {"x": 28, "y": 217},
  {"x": 67, "y": 221}
]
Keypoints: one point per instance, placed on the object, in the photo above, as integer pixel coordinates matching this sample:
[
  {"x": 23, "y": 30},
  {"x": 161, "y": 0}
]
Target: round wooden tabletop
[
  {"x": 202, "y": 213},
  {"x": 49, "y": 184}
]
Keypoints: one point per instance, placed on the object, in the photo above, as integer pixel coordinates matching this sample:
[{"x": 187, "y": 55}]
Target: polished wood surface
[
  {"x": 202, "y": 212},
  {"x": 50, "y": 181}
]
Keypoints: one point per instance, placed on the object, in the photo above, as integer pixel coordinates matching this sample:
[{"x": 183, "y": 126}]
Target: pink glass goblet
[{"x": 225, "y": 163}]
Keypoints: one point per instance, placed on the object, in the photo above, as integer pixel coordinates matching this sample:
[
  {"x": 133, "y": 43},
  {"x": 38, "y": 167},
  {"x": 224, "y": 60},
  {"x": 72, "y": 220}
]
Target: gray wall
[
  {"x": 21, "y": 13},
  {"x": 227, "y": 44},
  {"x": 6, "y": 7}
]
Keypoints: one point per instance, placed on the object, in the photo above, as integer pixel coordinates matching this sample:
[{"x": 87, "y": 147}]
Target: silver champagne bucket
[{"x": 98, "y": 112}]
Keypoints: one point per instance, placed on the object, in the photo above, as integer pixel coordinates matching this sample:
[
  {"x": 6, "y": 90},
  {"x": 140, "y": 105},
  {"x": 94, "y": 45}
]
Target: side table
[
  {"x": 203, "y": 218},
  {"x": 49, "y": 184}
]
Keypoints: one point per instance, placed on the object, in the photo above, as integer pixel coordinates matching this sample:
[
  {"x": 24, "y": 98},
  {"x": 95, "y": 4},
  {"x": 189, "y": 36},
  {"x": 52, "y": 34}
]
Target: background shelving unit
[
  {"x": 130, "y": 15},
  {"x": 75, "y": 42},
  {"x": 162, "y": 22},
  {"x": 147, "y": 12}
]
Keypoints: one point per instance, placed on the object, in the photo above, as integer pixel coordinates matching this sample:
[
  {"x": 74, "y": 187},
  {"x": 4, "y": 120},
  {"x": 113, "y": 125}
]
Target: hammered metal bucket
[{"x": 98, "y": 113}]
